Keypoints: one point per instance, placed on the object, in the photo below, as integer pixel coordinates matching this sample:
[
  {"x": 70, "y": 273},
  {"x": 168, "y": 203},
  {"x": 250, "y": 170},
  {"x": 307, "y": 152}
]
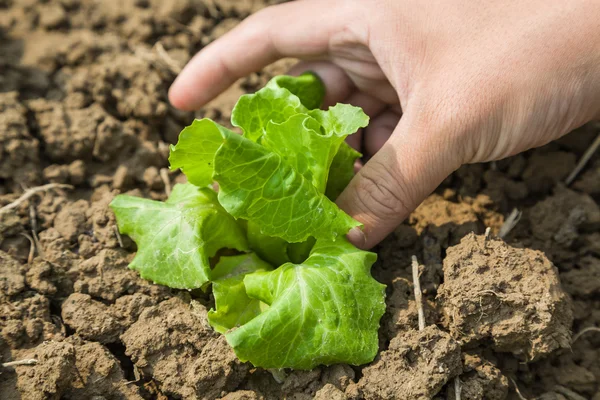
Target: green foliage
[
  {"x": 313, "y": 300},
  {"x": 323, "y": 311},
  {"x": 233, "y": 306},
  {"x": 176, "y": 238}
]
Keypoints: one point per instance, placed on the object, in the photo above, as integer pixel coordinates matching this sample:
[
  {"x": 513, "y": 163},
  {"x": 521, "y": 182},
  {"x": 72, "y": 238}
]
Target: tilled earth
[{"x": 83, "y": 105}]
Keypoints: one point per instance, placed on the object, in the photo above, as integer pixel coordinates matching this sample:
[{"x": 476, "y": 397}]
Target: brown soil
[{"x": 83, "y": 101}]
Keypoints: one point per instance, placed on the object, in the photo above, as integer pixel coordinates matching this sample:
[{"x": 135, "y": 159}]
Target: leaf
[
  {"x": 175, "y": 239},
  {"x": 341, "y": 171},
  {"x": 257, "y": 185},
  {"x": 298, "y": 252},
  {"x": 276, "y": 250},
  {"x": 310, "y": 144},
  {"x": 301, "y": 144},
  {"x": 308, "y": 87},
  {"x": 195, "y": 150},
  {"x": 341, "y": 120},
  {"x": 271, "y": 249},
  {"x": 253, "y": 112},
  {"x": 233, "y": 306},
  {"x": 323, "y": 311}
]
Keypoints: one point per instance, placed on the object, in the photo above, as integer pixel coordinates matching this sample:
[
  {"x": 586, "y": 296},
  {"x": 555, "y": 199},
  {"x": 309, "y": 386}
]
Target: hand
[{"x": 475, "y": 81}]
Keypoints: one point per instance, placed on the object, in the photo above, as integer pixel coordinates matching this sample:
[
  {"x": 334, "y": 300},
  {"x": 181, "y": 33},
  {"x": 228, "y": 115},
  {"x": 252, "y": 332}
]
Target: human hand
[{"x": 474, "y": 81}]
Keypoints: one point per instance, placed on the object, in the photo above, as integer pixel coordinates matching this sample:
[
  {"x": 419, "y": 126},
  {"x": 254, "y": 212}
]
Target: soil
[{"x": 83, "y": 102}]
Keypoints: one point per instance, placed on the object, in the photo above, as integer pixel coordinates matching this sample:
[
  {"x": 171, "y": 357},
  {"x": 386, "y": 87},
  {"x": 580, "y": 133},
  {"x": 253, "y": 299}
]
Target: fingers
[
  {"x": 379, "y": 130},
  {"x": 409, "y": 166},
  {"x": 288, "y": 30},
  {"x": 372, "y": 106},
  {"x": 355, "y": 140},
  {"x": 337, "y": 84}
]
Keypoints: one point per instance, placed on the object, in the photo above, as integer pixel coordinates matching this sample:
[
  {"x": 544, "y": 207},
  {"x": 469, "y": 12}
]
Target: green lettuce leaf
[
  {"x": 310, "y": 145},
  {"x": 276, "y": 250},
  {"x": 301, "y": 144},
  {"x": 323, "y": 311},
  {"x": 176, "y": 238},
  {"x": 195, "y": 150},
  {"x": 253, "y": 112},
  {"x": 341, "y": 171},
  {"x": 258, "y": 185},
  {"x": 341, "y": 120},
  {"x": 271, "y": 249},
  {"x": 308, "y": 87},
  {"x": 233, "y": 306}
]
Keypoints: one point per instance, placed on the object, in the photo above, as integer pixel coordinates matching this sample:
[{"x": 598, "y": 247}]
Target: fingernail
[{"x": 357, "y": 237}]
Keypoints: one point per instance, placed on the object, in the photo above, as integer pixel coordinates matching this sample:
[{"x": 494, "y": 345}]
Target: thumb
[{"x": 410, "y": 165}]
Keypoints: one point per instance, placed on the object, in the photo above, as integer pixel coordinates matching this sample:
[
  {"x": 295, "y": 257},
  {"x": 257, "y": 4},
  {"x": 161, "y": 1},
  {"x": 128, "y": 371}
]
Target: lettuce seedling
[{"x": 297, "y": 294}]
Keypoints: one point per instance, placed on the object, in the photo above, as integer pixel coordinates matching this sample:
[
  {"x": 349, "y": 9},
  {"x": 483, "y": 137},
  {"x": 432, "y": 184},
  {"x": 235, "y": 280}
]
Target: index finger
[{"x": 297, "y": 29}]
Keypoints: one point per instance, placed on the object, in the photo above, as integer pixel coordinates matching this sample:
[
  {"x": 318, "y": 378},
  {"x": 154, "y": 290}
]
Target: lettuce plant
[{"x": 296, "y": 294}]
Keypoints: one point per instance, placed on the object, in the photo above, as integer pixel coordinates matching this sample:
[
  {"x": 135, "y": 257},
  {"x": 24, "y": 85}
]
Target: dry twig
[
  {"x": 583, "y": 332},
  {"x": 30, "y": 192},
  {"x": 27, "y": 361},
  {"x": 34, "y": 229},
  {"x": 457, "y": 388},
  {"x": 118, "y": 234},
  {"x": 38, "y": 245},
  {"x": 511, "y": 221},
  {"x": 583, "y": 161},
  {"x": 33, "y": 218},
  {"x": 517, "y": 389},
  {"x": 568, "y": 393},
  {"x": 164, "y": 175},
  {"x": 31, "y": 247},
  {"x": 418, "y": 293},
  {"x": 167, "y": 59}
]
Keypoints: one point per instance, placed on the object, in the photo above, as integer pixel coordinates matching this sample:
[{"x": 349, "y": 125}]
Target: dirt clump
[
  {"x": 502, "y": 188},
  {"x": 26, "y": 321},
  {"x": 330, "y": 392},
  {"x": 583, "y": 280},
  {"x": 12, "y": 280},
  {"x": 70, "y": 134},
  {"x": 589, "y": 181},
  {"x": 51, "y": 376},
  {"x": 19, "y": 150},
  {"x": 242, "y": 395},
  {"x": 173, "y": 343},
  {"x": 439, "y": 222},
  {"x": 71, "y": 220},
  {"x": 48, "y": 279},
  {"x": 509, "y": 296},
  {"x": 416, "y": 366},
  {"x": 562, "y": 217},
  {"x": 401, "y": 312},
  {"x": 480, "y": 380},
  {"x": 91, "y": 319},
  {"x": 339, "y": 375},
  {"x": 73, "y": 369},
  {"x": 106, "y": 277},
  {"x": 545, "y": 168},
  {"x": 98, "y": 373},
  {"x": 445, "y": 220}
]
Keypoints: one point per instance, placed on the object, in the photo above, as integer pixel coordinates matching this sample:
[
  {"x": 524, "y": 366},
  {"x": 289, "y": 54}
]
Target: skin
[{"x": 473, "y": 81}]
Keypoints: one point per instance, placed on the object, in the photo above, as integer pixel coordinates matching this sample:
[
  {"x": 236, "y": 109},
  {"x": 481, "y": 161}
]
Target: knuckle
[{"x": 382, "y": 191}]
